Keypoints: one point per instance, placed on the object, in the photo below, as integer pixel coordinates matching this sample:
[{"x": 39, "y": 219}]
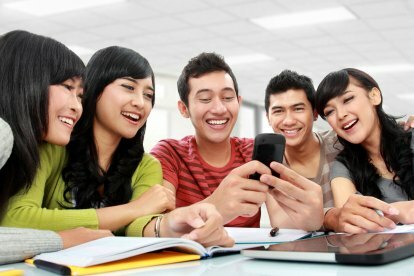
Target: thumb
[{"x": 195, "y": 220}]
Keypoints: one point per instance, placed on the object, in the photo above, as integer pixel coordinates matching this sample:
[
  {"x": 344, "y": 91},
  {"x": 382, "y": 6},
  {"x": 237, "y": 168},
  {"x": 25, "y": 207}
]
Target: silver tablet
[{"x": 362, "y": 249}]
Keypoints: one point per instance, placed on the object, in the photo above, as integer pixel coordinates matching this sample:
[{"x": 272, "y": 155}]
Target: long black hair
[
  {"x": 83, "y": 175},
  {"x": 29, "y": 64},
  {"x": 394, "y": 145}
]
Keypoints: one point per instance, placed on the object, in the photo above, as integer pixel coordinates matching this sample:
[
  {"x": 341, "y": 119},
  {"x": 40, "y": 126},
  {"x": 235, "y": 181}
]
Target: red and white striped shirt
[{"x": 193, "y": 178}]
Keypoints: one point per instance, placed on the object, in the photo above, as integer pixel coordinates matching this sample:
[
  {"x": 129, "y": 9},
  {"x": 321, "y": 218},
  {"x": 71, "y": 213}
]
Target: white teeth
[
  {"x": 217, "y": 122},
  {"x": 291, "y": 131},
  {"x": 131, "y": 115},
  {"x": 66, "y": 120},
  {"x": 349, "y": 124}
]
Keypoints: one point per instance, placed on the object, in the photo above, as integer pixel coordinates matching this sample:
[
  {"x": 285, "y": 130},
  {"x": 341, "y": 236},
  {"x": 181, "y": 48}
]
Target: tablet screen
[{"x": 342, "y": 248}]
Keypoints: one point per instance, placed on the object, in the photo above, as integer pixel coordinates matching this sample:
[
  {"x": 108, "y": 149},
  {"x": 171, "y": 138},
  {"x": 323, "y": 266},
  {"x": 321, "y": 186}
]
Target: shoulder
[
  {"x": 149, "y": 161},
  {"x": 173, "y": 143},
  {"x": 339, "y": 170},
  {"x": 148, "y": 171},
  {"x": 6, "y": 138},
  {"x": 330, "y": 140},
  {"x": 327, "y": 135}
]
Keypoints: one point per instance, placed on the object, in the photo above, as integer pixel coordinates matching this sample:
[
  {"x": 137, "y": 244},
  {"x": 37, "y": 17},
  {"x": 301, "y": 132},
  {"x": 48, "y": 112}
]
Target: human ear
[
  {"x": 183, "y": 109},
  {"x": 239, "y": 98},
  {"x": 375, "y": 96},
  {"x": 315, "y": 115}
]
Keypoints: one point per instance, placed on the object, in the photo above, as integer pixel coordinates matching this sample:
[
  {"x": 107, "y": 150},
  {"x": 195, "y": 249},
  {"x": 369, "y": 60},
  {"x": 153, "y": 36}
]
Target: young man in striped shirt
[{"x": 213, "y": 167}]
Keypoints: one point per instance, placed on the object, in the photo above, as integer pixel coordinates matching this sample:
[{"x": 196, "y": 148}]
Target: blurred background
[{"x": 258, "y": 38}]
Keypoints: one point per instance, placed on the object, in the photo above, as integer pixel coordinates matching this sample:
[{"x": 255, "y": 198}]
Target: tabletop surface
[{"x": 239, "y": 265}]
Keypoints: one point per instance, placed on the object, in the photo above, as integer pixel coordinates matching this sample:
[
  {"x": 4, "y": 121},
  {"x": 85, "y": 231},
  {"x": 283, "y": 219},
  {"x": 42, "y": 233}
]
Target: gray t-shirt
[
  {"x": 329, "y": 149},
  {"x": 6, "y": 145},
  {"x": 389, "y": 190}
]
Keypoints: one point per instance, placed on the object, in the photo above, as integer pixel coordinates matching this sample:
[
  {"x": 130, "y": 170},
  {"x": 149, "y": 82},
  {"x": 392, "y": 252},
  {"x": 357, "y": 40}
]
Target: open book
[
  {"x": 405, "y": 228},
  {"x": 117, "y": 248}
]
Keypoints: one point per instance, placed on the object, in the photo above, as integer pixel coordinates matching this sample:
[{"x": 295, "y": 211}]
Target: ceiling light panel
[
  {"x": 388, "y": 68},
  {"x": 250, "y": 58},
  {"x": 48, "y": 7},
  {"x": 304, "y": 18}
]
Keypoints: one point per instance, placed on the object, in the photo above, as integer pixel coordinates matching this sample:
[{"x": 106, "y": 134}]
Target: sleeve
[
  {"x": 170, "y": 161},
  {"x": 147, "y": 175},
  {"x": 6, "y": 145},
  {"x": 18, "y": 244},
  {"x": 38, "y": 207},
  {"x": 339, "y": 170}
]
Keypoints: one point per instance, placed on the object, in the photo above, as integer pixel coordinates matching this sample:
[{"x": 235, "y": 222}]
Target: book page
[
  {"x": 406, "y": 228},
  {"x": 116, "y": 248},
  {"x": 261, "y": 235}
]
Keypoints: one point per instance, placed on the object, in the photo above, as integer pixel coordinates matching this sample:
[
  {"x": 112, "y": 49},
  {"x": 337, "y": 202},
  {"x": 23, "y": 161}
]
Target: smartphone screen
[{"x": 268, "y": 147}]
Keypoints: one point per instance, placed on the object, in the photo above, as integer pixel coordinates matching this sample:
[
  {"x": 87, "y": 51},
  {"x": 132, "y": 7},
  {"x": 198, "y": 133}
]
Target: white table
[{"x": 238, "y": 265}]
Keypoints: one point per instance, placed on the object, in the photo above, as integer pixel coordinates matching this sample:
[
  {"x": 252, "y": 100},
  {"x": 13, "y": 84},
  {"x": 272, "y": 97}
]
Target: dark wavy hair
[
  {"x": 83, "y": 175},
  {"x": 29, "y": 64},
  {"x": 394, "y": 145},
  {"x": 197, "y": 67}
]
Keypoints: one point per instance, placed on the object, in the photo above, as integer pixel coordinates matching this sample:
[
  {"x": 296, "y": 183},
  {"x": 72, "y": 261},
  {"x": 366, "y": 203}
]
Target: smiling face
[
  {"x": 65, "y": 109},
  {"x": 123, "y": 107},
  {"x": 290, "y": 114},
  {"x": 213, "y": 106},
  {"x": 352, "y": 115}
]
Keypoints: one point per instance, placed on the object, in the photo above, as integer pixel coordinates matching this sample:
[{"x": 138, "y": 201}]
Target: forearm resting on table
[{"x": 115, "y": 217}]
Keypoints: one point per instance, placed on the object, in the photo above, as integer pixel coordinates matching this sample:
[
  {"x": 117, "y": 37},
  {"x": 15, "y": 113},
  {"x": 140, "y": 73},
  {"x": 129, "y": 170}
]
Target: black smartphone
[{"x": 268, "y": 147}]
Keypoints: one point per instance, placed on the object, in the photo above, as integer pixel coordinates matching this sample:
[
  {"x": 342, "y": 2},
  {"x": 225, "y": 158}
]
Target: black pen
[
  {"x": 52, "y": 267},
  {"x": 274, "y": 232}
]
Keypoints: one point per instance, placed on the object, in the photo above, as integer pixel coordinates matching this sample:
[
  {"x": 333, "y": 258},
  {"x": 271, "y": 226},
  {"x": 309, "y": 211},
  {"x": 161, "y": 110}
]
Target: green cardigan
[{"x": 39, "y": 206}]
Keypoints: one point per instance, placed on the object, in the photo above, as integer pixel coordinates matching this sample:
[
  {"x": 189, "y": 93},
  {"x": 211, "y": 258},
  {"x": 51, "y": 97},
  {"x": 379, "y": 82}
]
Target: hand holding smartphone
[{"x": 268, "y": 147}]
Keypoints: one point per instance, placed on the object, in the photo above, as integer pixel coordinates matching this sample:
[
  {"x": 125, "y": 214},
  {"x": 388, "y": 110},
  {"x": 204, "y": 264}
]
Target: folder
[{"x": 143, "y": 260}]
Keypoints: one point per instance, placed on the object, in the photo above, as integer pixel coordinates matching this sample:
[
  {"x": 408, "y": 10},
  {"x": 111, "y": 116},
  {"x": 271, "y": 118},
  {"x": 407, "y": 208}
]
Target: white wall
[{"x": 165, "y": 120}]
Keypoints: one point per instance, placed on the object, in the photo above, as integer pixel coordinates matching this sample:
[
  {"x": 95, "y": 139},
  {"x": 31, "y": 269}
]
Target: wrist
[
  {"x": 330, "y": 220},
  {"x": 157, "y": 226},
  {"x": 130, "y": 211},
  {"x": 164, "y": 229}
]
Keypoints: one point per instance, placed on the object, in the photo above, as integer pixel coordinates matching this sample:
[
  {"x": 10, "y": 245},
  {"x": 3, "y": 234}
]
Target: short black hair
[
  {"x": 198, "y": 66},
  {"x": 286, "y": 80}
]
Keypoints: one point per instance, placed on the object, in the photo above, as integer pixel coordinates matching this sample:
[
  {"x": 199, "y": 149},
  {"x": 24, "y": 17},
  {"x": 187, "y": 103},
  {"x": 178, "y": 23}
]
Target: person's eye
[
  {"x": 149, "y": 95},
  {"x": 67, "y": 86},
  {"x": 348, "y": 99},
  {"x": 299, "y": 109},
  {"x": 205, "y": 100},
  {"x": 277, "y": 111},
  {"x": 129, "y": 87},
  {"x": 229, "y": 99},
  {"x": 326, "y": 113}
]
